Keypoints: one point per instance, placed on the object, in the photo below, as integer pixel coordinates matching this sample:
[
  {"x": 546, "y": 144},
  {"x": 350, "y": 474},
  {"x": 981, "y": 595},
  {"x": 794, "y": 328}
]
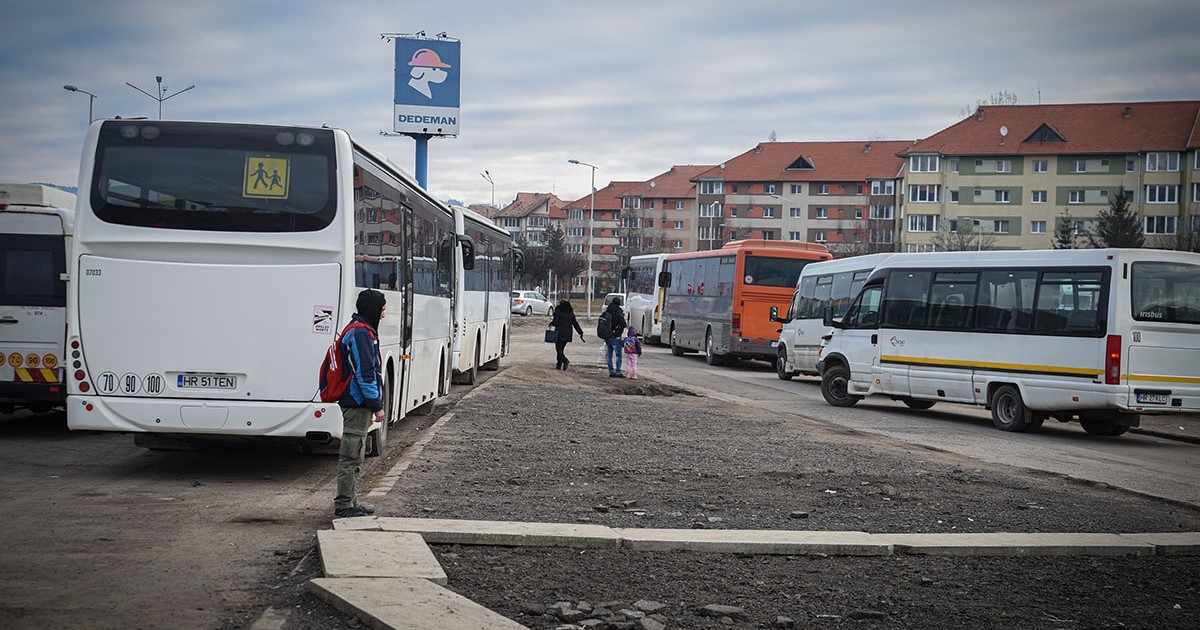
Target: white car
[{"x": 530, "y": 302}]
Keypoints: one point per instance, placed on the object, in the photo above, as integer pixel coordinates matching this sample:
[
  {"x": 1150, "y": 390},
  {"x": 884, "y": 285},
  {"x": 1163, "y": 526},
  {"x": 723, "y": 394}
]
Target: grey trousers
[{"x": 355, "y": 422}]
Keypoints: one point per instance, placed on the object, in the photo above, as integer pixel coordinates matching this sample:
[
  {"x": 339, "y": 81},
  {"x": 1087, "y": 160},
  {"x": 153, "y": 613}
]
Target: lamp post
[
  {"x": 591, "y": 225},
  {"x": 91, "y": 99},
  {"x": 488, "y": 177},
  {"x": 162, "y": 92}
]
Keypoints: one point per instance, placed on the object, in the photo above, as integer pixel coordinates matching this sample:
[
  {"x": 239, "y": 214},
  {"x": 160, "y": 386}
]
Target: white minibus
[
  {"x": 821, "y": 284},
  {"x": 214, "y": 263},
  {"x": 35, "y": 241},
  {"x": 1094, "y": 335},
  {"x": 482, "y": 303},
  {"x": 645, "y": 295}
]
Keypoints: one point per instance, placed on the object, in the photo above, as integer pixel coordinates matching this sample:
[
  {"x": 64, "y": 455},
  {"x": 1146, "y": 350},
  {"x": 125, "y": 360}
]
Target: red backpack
[{"x": 335, "y": 369}]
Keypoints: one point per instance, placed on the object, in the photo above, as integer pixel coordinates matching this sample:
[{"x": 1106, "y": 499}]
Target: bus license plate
[
  {"x": 206, "y": 381},
  {"x": 1153, "y": 399}
]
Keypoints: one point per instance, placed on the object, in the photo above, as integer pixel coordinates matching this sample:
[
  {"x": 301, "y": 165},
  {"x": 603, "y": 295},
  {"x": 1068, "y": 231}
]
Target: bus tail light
[
  {"x": 1112, "y": 361},
  {"x": 736, "y": 324}
]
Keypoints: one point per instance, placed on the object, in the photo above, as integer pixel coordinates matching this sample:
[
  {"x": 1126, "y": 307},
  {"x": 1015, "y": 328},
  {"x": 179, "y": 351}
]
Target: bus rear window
[
  {"x": 208, "y": 176},
  {"x": 765, "y": 271},
  {"x": 1166, "y": 292},
  {"x": 31, "y": 269}
]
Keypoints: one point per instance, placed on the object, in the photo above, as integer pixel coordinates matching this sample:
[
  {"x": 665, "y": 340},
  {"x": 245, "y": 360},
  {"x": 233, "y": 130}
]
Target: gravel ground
[{"x": 537, "y": 444}]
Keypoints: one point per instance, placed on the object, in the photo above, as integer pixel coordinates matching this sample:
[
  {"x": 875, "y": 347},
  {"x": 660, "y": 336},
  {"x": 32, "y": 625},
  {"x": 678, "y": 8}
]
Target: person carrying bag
[{"x": 561, "y": 326}]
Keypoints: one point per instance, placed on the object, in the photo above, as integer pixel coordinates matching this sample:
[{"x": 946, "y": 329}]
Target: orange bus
[{"x": 720, "y": 300}]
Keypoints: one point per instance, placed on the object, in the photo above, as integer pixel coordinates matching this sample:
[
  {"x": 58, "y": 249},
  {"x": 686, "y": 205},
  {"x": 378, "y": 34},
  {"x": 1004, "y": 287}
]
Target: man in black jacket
[{"x": 613, "y": 343}]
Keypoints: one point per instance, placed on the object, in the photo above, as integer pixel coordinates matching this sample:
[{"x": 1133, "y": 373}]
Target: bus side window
[{"x": 864, "y": 311}]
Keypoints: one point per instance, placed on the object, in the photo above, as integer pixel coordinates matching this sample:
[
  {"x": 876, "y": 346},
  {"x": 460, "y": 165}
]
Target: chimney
[
  {"x": 979, "y": 114},
  {"x": 1129, "y": 112}
]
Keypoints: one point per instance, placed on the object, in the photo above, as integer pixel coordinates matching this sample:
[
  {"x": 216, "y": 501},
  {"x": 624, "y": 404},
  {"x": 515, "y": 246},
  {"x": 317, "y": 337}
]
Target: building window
[
  {"x": 512, "y": 222},
  {"x": 923, "y": 192},
  {"x": 954, "y": 195},
  {"x": 922, "y": 222},
  {"x": 1000, "y": 226},
  {"x": 1196, "y": 192},
  {"x": 954, "y": 165},
  {"x": 1078, "y": 166},
  {"x": 1162, "y": 161},
  {"x": 1160, "y": 225},
  {"x": 1002, "y": 196},
  {"x": 768, "y": 212},
  {"x": 858, "y": 213},
  {"x": 679, "y": 205},
  {"x": 575, "y": 232},
  {"x": 733, "y": 188},
  {"x": 822, "y": 189},
  {"x": 711, "y": 210},
  {"x": 822, "y": 213},
  {"x": 679, "y": 225},
  {"x": 923, "y": 163},
  {"x": 711, "y": 187},
  {"x": 1037, "y": 227},
  {"x": 1076, "y": 196},
  {"x": 631, "y": 203},
  {"x": 1041, "y": 166},
  {"x": 920, "y": 248},
  {"x": 733, "y": 211},
  {"x": 883, "y": 187},
  {"x": 1003, "y": 166},
  {"x": 860, "y": 189},
  {"x": 796, "y": 213},
  {"x": 575, "y": 215},
  {"x": 1130, "y": 165},
  {"x": 795, "y": 236},
  {"x": 882, "y": 212},
  {"x": 678, "y": 244},
  {"x": 1162, "y": 194},
  {"x": 770, "y": 188},
  {"x": 1037, "y": 196},
  {"x": 818, "y": 237},
  {"x": 797, "y": 189},
  {"x": 769, "y": 235}
]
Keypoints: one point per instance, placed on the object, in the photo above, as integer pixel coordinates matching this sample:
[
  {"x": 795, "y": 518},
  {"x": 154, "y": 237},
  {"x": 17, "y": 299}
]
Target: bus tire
[
  {"x": 913, "y": 403},
  {"x": 710, "y": 357},
  {"x": 835, "y": 384},
  {"x": 675, "y": 349},
  {"x": 781, "y": 366},
  {"x": 1105, "y": 427},
  {"x": 1009, "y": 412}
]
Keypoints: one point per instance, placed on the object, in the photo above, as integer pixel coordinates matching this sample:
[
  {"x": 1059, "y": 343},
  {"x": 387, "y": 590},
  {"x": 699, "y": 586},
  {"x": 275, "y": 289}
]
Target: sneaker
[{"x": 352, "y": 512}]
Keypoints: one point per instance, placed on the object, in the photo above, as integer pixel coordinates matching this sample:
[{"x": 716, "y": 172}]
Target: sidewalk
[{"x": 1185, "y": 427}]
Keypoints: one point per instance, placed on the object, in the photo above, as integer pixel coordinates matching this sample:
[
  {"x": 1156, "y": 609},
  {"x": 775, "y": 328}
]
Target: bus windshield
[
  {"x": 765, "y": 271},
  {"x": 1166, "y": 292},
  {"x": 201, "y": 176}
]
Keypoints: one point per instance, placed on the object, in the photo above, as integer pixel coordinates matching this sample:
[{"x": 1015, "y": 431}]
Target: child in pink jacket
[{"x": 633, "y": 349}]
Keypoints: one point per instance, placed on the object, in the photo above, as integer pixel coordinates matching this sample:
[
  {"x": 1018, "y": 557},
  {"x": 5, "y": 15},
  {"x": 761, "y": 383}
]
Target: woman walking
[{"x": 562, "y": 323}]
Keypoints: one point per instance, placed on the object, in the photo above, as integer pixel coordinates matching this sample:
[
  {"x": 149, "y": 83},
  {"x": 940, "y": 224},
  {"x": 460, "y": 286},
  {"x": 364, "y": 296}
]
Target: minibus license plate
[
  {"x": 206, "y": 381},
  {"x": 1153, "y": 399}
]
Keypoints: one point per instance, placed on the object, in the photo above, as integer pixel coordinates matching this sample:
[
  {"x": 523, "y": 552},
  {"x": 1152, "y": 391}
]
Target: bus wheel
[
  {"x": 710, "y": 356},
  {"x": 781, "y": 366},
  {"x": 1008, "y": 410},
  {"x": 675, "y": 349},
  {"x": 1103, "y": 427},
  {"x": 913, "y": 403},
  {"x": 834, "y": 387}
]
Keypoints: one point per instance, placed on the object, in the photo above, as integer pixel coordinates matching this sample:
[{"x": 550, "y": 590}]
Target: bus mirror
[
  {"x": 467, "y": 244},
  {"x": 518, "y": 262},
  {"x": 774, "y": 313},
  {"x": 664, "y": 279}
]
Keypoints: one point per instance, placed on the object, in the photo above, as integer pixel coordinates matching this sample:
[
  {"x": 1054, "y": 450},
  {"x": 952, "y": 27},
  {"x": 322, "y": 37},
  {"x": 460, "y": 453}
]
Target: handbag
[{"x": 551, "y": 335}]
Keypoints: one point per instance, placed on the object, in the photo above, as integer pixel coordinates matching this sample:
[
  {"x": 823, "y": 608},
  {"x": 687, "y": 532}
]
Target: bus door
[
  {"x": 860, "y": 338},
  {"x": 405, "y": 287}
]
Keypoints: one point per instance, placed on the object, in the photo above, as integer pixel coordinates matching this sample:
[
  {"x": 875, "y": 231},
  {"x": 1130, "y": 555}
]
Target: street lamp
[
  {"x": 91, "y": 99},
  {"x": 591, "y": 224},
  {"x": 162, "y": 92},
  {"x": 488, "y": 176}
]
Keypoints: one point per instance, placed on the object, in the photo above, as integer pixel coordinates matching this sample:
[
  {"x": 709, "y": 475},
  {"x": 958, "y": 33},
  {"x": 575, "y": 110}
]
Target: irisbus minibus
[
  {"x": 823, "y": 284},
  {"x": 719, "y": 301},
  {"x": 481, "y": 331},
  {"x": 644, "y": 295},
  {"x": 214, "y": 263},
  {"x": 35, "y": 241},
  {"x": 1098, "y": 335}
]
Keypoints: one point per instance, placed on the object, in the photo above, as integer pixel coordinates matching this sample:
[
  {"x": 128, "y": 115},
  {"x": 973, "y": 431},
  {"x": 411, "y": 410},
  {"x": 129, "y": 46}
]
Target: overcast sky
[{"x": 632, "y": 87}]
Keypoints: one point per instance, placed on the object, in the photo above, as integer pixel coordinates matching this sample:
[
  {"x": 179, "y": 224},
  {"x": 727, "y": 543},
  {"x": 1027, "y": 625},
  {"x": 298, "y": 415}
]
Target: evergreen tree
[
  {"x": 1117, "y": 225},
  {"x": 1064, "y": 231}
]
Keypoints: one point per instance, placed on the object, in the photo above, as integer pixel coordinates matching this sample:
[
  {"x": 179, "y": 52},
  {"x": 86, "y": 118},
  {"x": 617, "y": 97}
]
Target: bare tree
[
  {"x": 1000, "y": 97},
  {"x": 961, "y": 240}
]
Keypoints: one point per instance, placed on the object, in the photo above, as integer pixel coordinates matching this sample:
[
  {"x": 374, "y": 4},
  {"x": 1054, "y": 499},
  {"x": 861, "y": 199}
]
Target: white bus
[
  {"x": 1098, "y": 335},
  {"x": 482, "y": 303},
  {"x": 214, "y": 263},
  {"x": 821, "y": 284},
  {"x": 35, "y": 241},
  {"x": 644, "y": 295}
]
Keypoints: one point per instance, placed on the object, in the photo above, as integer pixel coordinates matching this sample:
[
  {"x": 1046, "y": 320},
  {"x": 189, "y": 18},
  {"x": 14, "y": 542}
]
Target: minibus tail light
[
  {"x": 737, "y": 323},
  {"x": 1112, "y": 361}
]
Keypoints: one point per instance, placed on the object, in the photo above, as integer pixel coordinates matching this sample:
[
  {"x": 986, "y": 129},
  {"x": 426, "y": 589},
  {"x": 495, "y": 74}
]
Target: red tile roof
[
  {"x": 674, "y": 184},
  {"x": 607, "y": 198},
  {"x": 1107, "y": 128},
  {"x": 527, "y": 202},
  {"x": 831, "y": 161}
]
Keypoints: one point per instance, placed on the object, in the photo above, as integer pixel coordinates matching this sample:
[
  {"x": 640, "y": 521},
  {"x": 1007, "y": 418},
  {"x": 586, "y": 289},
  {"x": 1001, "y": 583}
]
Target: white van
[
  {"x": 821, "y": 284},
  {"x": 1098, "y": 335},
  {"x": 35, "y": 240}
]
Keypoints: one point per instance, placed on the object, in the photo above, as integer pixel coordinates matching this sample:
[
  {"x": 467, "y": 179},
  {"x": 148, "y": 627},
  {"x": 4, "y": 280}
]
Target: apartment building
[
  {"x": 660, "y": 214},
  {"x": 529, "y": 214},
  {"x": 844, "y": 194},
  {"x": 1006, "y": 176},
  {"x": 602, "y": 230}
]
